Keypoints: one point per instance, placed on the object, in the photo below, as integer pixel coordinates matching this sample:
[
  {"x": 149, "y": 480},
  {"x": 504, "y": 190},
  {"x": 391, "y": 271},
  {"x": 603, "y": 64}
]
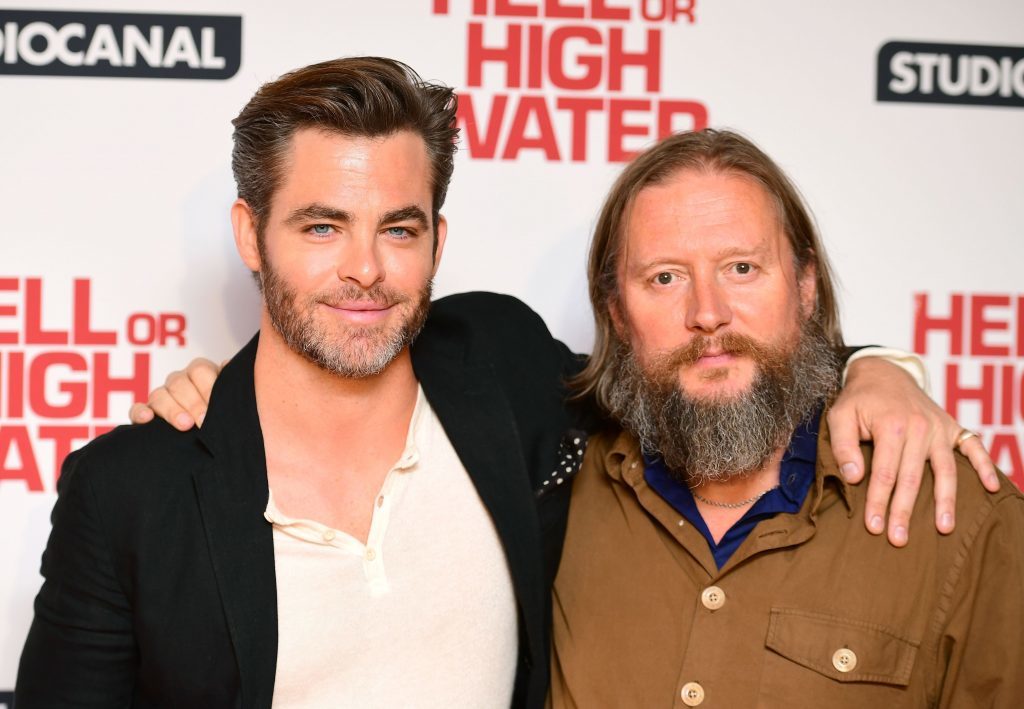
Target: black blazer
[{"x": 159, "y": 572}]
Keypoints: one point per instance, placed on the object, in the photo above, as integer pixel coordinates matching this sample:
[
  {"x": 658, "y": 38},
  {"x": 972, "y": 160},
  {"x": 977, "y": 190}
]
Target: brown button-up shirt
[{"x": 810, "y": 611}]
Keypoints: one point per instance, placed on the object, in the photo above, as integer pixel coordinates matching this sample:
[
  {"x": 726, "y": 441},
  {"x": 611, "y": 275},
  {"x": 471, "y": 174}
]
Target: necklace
[{"x": 732, "y": 505}]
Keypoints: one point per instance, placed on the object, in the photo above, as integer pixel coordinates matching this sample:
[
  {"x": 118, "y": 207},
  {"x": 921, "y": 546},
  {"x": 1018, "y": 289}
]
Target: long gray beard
[{"x": 717, "y": 439}]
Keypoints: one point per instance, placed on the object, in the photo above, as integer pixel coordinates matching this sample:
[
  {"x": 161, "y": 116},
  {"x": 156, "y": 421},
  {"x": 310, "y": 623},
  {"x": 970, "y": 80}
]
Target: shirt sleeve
[
  {"x": 80, "y": 649},
  {"x": 981, "y": 653},
  {"x": 910, "y": 363}
]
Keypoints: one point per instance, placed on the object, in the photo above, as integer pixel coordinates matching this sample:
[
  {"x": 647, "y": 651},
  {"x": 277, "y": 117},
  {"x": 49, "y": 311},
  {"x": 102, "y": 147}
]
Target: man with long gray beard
[{"x": 713, "y": 554}]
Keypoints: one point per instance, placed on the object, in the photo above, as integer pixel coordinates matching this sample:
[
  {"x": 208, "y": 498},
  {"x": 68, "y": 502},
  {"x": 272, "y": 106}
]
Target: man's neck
[
  {"x": 294, "y": 393},
  {"x": 742, "y": 492},
  {"x": 330, "y": 440}
]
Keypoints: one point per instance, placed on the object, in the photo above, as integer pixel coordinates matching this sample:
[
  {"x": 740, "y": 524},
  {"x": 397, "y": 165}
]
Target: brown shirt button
[
  {"x": 693, "y": 694},
  {"x": 844, "y": 659},
  {"x": 713, "y": 598}
]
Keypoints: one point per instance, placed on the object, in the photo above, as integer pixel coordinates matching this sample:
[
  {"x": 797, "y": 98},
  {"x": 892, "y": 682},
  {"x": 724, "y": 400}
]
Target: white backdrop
[{"x": 123, "y": 185}]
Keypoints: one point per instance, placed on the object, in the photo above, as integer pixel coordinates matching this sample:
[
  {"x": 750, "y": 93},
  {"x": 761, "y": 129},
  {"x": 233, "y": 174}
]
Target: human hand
[
  {"x": 883, "y": 403},
  {"x": 183, "y": 398}
]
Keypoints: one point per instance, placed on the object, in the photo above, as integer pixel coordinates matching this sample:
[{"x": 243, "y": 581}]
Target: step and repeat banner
[{"x": 902, "y": 123}]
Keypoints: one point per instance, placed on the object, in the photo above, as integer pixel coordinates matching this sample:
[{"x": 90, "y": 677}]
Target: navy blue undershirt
[{"x": 795, "y": 477}]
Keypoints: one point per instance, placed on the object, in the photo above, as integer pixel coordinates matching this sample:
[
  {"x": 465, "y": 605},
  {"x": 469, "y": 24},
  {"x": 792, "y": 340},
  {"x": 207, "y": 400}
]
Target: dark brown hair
[
  {"x": 354, "y": 96},
  {"x": 708, "y": 150}
]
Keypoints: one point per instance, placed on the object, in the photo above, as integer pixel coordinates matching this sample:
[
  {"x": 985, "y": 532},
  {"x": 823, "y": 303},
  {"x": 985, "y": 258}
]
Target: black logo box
[
  {"x": 954, "y": 51},
  {"x": 227, "y": 32}
]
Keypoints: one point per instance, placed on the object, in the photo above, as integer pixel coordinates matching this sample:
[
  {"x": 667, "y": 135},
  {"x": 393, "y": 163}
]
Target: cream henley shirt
[{"x": 422, "y": 615}]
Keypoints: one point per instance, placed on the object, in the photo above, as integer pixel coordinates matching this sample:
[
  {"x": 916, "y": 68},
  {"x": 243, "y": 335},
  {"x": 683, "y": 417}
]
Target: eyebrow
[
  {"x": 728, "y": 252},
  {"x": 741, "y": 251},
  {"x": 404, "y": 214},
  {"x": 318, "y": 211}
]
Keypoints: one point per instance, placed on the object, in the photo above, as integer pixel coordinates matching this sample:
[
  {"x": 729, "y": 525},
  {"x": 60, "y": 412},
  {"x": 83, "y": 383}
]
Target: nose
[
  {"x": 707, "y": 309},
  {"x": 361, "y": 263}
]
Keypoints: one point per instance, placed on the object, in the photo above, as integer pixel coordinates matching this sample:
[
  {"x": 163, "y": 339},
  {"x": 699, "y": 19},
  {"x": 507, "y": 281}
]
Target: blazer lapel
[
  {"x": 479, "y": 422},
  {"x": 232, "y": 490}
]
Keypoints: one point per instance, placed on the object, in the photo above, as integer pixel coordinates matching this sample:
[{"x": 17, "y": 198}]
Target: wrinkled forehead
[{"x": 704, "y": 210}]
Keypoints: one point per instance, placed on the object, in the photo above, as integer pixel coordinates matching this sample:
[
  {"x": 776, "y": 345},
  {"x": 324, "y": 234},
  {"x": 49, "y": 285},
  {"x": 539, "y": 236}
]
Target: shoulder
[
  {"x": 978, "y": 511},
  {"x": 977, "y": 508},
  {"x": 492, "y": 327},
  {"x": 492, "y": 313},
  {"x": 973, "y": 501},
  {"x": 146, "y": 456}
]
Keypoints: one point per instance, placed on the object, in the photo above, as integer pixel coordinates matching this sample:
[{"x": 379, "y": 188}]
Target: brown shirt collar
[{"x": 624, "y": 463}]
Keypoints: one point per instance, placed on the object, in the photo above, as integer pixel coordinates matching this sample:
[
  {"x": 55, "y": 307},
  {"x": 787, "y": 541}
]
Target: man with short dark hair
[
  {"x": 713, "y": 556},
  {"x": 363, "y": 520},
  {"x": 355, "y": 524}
]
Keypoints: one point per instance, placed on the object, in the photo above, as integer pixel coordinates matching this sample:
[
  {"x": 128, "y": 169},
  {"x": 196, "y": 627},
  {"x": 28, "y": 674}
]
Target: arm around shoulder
[{"x": 80, "y": 649}]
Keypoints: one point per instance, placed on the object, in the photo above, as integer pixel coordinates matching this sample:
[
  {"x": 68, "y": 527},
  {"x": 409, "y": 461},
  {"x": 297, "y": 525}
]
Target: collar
[
  {"x": 414, "y": 436},
  {"x": 797, "y": 467},
  {"x": 826, "y": 470},
  {"x": 231, "y": 431}
]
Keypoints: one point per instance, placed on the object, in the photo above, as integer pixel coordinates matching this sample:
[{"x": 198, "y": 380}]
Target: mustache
[
  {"x": 732, "y": 343},
  {"x": 347, "y": 294}
]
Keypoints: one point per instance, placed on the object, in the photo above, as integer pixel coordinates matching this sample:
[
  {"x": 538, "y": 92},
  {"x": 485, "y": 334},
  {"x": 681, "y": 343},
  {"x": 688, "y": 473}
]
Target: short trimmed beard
[
  {"x": 724, "y": 437},
  {"x": 356, "y": 352}
]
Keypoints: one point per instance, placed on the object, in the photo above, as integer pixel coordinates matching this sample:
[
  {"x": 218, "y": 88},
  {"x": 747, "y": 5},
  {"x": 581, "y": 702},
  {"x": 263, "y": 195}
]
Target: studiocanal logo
[
  {"x": 35, "y": 42},
  {"x": 972, "y": 74}
]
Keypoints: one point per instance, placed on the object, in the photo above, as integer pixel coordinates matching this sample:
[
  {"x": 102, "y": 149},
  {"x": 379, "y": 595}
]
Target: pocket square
[{"x": 568, "y": 462}]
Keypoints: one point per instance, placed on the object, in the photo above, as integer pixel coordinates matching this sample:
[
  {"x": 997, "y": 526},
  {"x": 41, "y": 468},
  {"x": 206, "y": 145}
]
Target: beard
[
  {"x": 354, "y": 352},
  {"x": 724, "y": 437}
]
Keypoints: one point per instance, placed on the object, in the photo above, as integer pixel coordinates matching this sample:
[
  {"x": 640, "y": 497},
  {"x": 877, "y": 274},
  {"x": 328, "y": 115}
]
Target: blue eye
[
  {"x": 321, "y": 229},
  {"x": 398, "y": 231}
]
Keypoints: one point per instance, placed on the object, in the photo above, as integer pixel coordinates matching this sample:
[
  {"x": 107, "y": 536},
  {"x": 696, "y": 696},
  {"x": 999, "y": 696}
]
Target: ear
[
  {"x": 442, "y": 233},
  {"x": 244, "y": 226},
  {"x": 807, "y": 284},
  {"x": 615, "y": 313}
]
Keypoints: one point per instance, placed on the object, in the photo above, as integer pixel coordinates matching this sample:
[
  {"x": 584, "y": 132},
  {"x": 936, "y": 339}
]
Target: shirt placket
[
  {"x": 373, "y": 555},
  {"x": 726, "y": 606},
  {"x": 372, "y": 552},
  {"x": 719, "y": 609}
]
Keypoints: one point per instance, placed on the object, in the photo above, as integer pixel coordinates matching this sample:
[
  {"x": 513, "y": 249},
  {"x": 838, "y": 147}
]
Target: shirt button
[
  {"x": 329, "y": 535},
  {"x": 371, "y": 555},
  {"x": 844, "y": 659},
  {"x": 693, "y": 694},
  {"x": 713, "y": 598}
]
